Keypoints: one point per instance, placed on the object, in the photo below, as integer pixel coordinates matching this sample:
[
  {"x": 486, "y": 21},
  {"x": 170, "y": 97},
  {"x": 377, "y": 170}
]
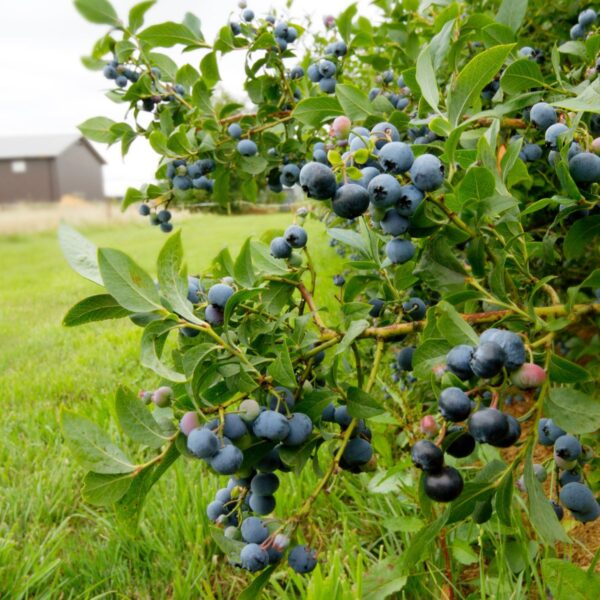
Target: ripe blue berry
[
  {"x": 542, "y": 115},
  {"x": 202, "y": 443},
  {"x": 427, "y": 456},
  {"x": 409, "y": 200},
  {"x": 393, "y": 223},
  {"x": 427, "y": 172},
  {"x": 488, "y": 360},
  {"x": 414, "y": 309},
  {"x": 300, "y": 429},
  {"x": 587, "y": 17},
  {"x": 404, "y": 358},
  {"x": 214, "y": 315},
  {"x": 227, "y": 460},
  {"x": 234, "y": 427},
  {"x": 488, "y": 426},
  {"x": 144, "y": 210},
  {"x": 350, "y": 201},
  {"x": 462, "y": 445},
  {"x": 235, "y": 131},
  {"x": 254, "y": 558},
  {"x": 264, "y": 484},
  {"x": 585, "y": 167},
  {"x": 548, "y": 432},
  {"x": 383, "y": 133},
  {"x": 247, "y": 148},
  {"x": 552, "y": 134},
  {"x": 281, "y": 399},
  {"x": 271, "y": 425},
  {"x": 296, "y": 236},
  {"x": 396, "y": 157},
  {"x": 302, "y": 559},
  {"x": 327, "y": 84},
  {"x": 214, "y": 510},
  {"x": 219, "y": 293},
  {"x": 290, "y": 175},
  {"x": 443, "y": 486},
  {"x": 357, "y": 452},
  {"x": 280, "y": 248},
  {"x": 262, "y": 505},
  {"x": 378, "y": 305},
  {"x": 254, "y": 531},
  {"x": 454, "y": 404},
  {"x": 458, "y": 361},
  {"x": 318, "y": 181}
]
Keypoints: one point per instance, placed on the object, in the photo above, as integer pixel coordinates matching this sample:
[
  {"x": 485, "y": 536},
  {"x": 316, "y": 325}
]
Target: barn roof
[{"x": 42, "y": 146}]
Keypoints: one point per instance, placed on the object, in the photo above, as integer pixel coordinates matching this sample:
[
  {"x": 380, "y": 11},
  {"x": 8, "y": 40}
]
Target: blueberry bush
[{"x": 450, "y": 152}]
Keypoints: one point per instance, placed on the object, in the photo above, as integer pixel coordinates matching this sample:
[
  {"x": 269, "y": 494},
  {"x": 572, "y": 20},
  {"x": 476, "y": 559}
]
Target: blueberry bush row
[{"x": 451, "y": 155}]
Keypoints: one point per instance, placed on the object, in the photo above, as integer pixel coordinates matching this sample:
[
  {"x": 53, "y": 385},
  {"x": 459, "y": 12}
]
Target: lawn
[{"x": 51, "y": 543}]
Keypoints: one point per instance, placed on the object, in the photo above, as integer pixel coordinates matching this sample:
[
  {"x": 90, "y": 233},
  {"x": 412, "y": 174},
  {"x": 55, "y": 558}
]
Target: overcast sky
[{"x": 46, "y": 89}]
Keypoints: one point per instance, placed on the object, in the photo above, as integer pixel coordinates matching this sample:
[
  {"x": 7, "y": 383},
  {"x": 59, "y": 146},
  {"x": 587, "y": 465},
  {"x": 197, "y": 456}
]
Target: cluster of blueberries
[
  {"x": 161, "y": 218},
  {"x": 497, "y": 350},
  {"x": 120, "y": 74},
  {"x": 323, "y": 72},
  {"x": 585, "y": 20},
  {"x": 584, "y": 167},
  {"x": 295, "y": 237},
  {"x": 283, "y": 32},
  {"x": 569, "y": 457},
  {"x": 399, "y": 100}
]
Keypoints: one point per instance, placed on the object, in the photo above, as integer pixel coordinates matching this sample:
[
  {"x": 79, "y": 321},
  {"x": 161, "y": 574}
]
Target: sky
[{"x": 46, "y": 89}]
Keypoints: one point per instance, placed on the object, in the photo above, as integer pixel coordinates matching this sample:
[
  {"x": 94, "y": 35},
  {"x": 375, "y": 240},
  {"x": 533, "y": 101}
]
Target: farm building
[{"x": 43, "y": 168}]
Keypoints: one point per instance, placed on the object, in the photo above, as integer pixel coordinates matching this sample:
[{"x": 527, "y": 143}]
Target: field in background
[{"x": 52, "y": 544}]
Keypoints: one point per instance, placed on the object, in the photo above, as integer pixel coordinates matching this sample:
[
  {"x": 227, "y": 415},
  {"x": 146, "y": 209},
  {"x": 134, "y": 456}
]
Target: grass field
[{"x": 51, "y": 543}]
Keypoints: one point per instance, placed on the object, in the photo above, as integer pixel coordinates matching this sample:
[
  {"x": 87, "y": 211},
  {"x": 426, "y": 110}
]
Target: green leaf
[
  {"x": 153, "y": 339},
  {"x": 521, "y": 75},
  {"x": 94, "y": 308},
  {"x": 165, "y": 35},
  {"x": 422, "y": 543},
  {"x": 439, "y": 266},
  {"x": 92, "y": 448},
  {"x": 354, "y": 330},
  {"x": 512, "y": 13},
  {"x": 281, "y": 369},
  {"x": 477, "y": 184},
  {"x": 264, "y": 262},
  {"x": 210, "y": 69},
  {"x": 103, "y": 489},
  {"x": 453, "y": 327},
  {"x": 503, "y": 500},
  {"x": 350, "y": 238},
  {"x": 541, "y": 514},
  {"x": 362, "y": 405},
  {"x": 243, "y": 271},
  {"x": 429, "y": 355},
  {"x": 172, "y": 278},
  {"x": 580, "y": 235},
  {"x": 478, "y": 72},
  {"x": 80, "y": 253},
  {"x": 253, "y": 590},
  {"x": 574, "y": 411},
  {"x": 132, "y": 196},
  {"x": 130, "y": 285},
  {"x": 567, "y": 581},
  {"x": 426, "y": 78},
  {"x": 344, "y": 21},
  {"x": 354, "y": 102},
  {"x": 98, "y": 129},
  {"x": 315, "y": 111},
  {"x": 564, "y": 371},
  {"x": 138, "y": 12},
  {"x": 136, "y": 421},
  {"x": 383, "y": 579},
  {"x": 97, "y": 11}
]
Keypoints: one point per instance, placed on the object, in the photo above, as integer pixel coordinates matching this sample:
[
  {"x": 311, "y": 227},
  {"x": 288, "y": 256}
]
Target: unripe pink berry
[
  {"x": 329, "y": 21},
  {"x": 162, "y": 396},
  {"x": 528, "y": 376},
  {"x": 596, "y": 145},
  {"x": 428, "y": 425},
  {"x": 341, "y": 127},
  {"x": 188, "y": 422}
]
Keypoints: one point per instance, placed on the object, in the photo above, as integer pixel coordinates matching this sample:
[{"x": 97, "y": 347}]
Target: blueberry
[
  {"x": 270, "y": 462},
  {"x": 377, "y": 305},
  {"x": 234, "y": 427},
  {"x": 552, "y": 134},
  {"x": 396, "y": 157},
  {"x": 247, "y": 148},
  {"x": 313, "y": 73},
  {"x": 296, "y": 236},
  {"x": 271, "y": 425},
  {"x": 414, "y": 309},
  {"x": 318, "y": 181},
  {"x": 300, "y": 429},
  {"x": 214, "y": 510},
  {"x": 281, "y": 29},
  {"x": 512, "y": 435},
  {"x": 578, "y": 497},
  {"x": 585, "y": 167},
  {"x": 166, "y": 227},
  {"x": 340, "y": 49},
  {"x": 458, "y": 361},
  {"x": 227, "y": 460},
  {"x": 548, "y": 432},
  {"x": 164, "y": 216},
  {"x": 235, "y": 131},
  {"x": 587, "y": 17},
  {"x": 488, "y": 360},
  {"x": 327, "y": 85},
  {"x": 280, "y": 248},
  {"x": 121, "y": 81},
  {"x": 320, "y": 156},
  {"x": 342, "y": 416},
  {"x": 558, "y": 510},
  {"x": 542, "y": 115},
  {"x": 282, "y": 399},
  {"x": 302, "y": 559},
  {"x": 443, "y": 486},
  {"x": 202, "y": 443},
  {"x": 264, "y": 484},
  {"x": 110, "y": 72},
  {"x": 290, "y": 175},
  {"x": 383, "y": 133},
  {"x": 384, "y": 191},
  {"x": 511, "y": 344},
  {"x": 194, "y": 289},
  {"x": 296, "y": 72},
  {"x": 248, "y": 15},
  {"x": 454, "y": 404},
  {"x": 327, "y": 69},
  {"x": 569, "y": 476},
  {"x": 254, "y": 531},
  {"x": 214, "y": 315},
  {"x": 427, "y": 172},
  {"x": 292, "y": 35},
  {"x": 223, "y": 495},
  {"x": 254, "y": 558},
  {"x": 219, "y": 293},
  {"x": 526, "y": 51},
  {"x": 461, "y": 446},
  {"x": 328, "y": 414},
  {"x": 182, "y": 183},
  {"x": 188, "y": 422},
  {"x": 262, "y": 505},
  {"x": 338, "y": 280},
  {"x": 358, "y": 452},
  {"x": 567, "y": 447},
  {"x": 409, "y": 200},
  {"x": 394, "y": 224},
  {"x": 144, "y": 210},
  {"x": 577, "y": 32},
  {"x": 488, "y": 426},
  {"x": 531, "y": 152},
  {"x": 350, "y": 201},
  {"x": 427, "y": 456},
  {"x": 235, "y": 28},
  {"x": 361, "y": 133},
  {"x": 404, "y": 358}
]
